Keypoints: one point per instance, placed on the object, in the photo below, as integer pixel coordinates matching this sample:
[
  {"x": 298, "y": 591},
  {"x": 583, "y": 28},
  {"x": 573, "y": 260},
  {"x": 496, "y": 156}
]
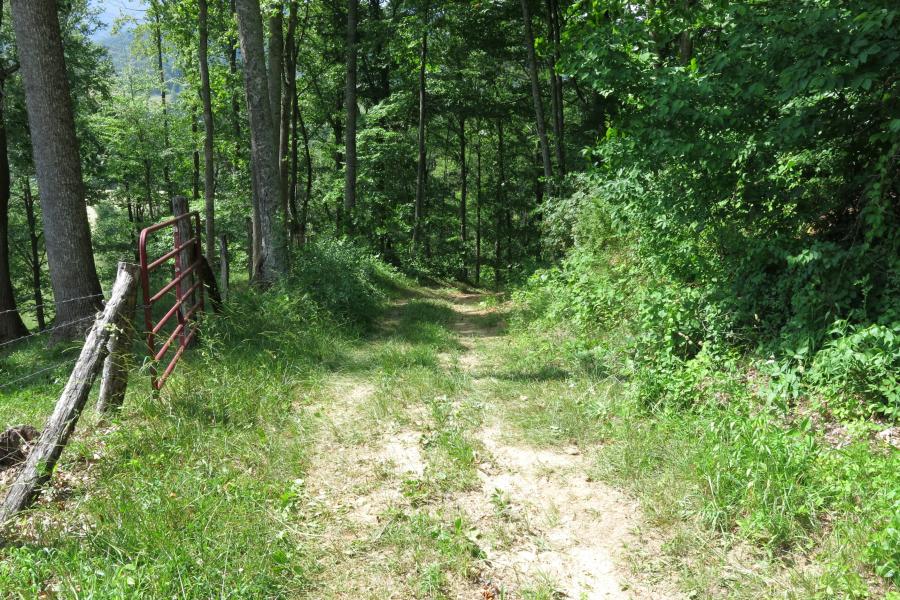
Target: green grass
[
  {"x": 727, "y": 481},
  {"x": 191, "y": 494}
]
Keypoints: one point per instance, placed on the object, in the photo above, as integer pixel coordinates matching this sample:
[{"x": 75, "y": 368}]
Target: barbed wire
[
  {"x": 47, "y": 330},
  {"x": 20, "y": 309},
  {"x": 36, "y": 373}
]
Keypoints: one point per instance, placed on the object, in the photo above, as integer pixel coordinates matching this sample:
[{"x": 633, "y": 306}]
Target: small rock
[
  {"x": 14, "y": 444},
  {"x": 891, "y": 436}
]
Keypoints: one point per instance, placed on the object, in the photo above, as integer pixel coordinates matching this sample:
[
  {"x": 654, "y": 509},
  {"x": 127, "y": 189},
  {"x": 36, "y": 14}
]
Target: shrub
[{"x": 858, "y": 369}]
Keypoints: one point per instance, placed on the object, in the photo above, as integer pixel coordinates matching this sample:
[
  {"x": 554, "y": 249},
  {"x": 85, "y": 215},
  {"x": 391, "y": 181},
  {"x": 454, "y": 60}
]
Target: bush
[
  {"x": 343, "y": 278},
  {"x": 858, "y": 370}
]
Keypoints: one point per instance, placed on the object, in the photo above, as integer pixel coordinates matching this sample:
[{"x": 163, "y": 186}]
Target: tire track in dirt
[{"x": 561, "y": 531}]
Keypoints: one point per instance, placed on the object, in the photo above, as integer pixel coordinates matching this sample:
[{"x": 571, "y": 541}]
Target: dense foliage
[{"x": 733, "y": 252}]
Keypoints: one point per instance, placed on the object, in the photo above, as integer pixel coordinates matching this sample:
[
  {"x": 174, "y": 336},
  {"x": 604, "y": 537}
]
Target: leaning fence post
[
  {"x": 114, "y": 380},
  {"x": 224, "y": 266},
  {"x": 42, "y": 459}
]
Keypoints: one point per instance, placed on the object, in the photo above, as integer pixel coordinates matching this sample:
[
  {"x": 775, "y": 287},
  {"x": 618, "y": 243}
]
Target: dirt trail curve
[{"x": 546, "y": 529}]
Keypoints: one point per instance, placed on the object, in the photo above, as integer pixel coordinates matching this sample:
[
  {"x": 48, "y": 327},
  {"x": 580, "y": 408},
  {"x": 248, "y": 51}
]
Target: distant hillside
[{"x": 118, "y": 44}]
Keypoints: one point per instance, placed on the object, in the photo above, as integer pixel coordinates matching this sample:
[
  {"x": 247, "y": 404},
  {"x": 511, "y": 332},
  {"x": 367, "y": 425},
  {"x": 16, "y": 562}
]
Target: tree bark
[
  {"x": 76, "y": 288},
  {"x": 34, "y": 256},
  {"x": 421, "y": 174},
  {"x": 276, "y": 61},
  {"x": 536, "y": 90},
  {"x": 11, "y": 324},
  {"x": 351, "y": 109},
  {"x": 272, "y": 261},
  {"x": 208, "y": 125}
]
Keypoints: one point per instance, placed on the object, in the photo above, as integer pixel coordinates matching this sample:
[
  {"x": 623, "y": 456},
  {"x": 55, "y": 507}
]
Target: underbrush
[
  {"x": 767, "y": 440},
  {"x": 190, "y": 494}
]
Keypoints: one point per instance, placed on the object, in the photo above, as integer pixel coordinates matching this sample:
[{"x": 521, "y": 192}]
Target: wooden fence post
[
  {"x": 42, "y": 459},
  {"x": 114, "y": 380},
  {"x": 224, "y": 266},
  {"x": 183, "y": 232}
]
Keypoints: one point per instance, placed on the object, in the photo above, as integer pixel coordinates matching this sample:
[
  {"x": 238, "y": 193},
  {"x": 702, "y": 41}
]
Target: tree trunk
[
  {"x": 554, "y": 22},
  {"x": 304, "y": 207},
  {"x": 195, "y": 171},
  {"x": 208, "y": 125},
  {"x": 11, "y": 324},
  {"x": 421, "y": 170},
  {"x": 295, "y": 170},
  {"x": 536, "y": 90},
  {"x": 685, "y": 41},
  {"x": 500, "y": 206},
  {"x": 167, "y": 176},
  {"x": 76, "y": 288},
  {"x": 478, "y": 211},
  {"x": 384, "y": 73},
  {"x": 235, "y": 103},
  {"x": 34, "y": 256},
  {"x": 289, "y": 92},
  {"x": 276, "y": 61},
  {"x": 350, "y": 107},
  {"x": 272, "y": 261},
  {"x": 463, "y": 190}
]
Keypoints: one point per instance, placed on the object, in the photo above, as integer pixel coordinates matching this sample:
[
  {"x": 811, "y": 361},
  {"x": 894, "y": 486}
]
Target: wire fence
[
  {"x": 35, "y": 307},
  {"x": 56, "y": 366}
]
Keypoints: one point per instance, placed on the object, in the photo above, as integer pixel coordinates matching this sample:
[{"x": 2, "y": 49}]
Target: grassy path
[{"x": 425, "y": 478}]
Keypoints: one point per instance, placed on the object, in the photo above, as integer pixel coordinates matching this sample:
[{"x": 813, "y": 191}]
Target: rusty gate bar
[{"x": 186, "y": 329}]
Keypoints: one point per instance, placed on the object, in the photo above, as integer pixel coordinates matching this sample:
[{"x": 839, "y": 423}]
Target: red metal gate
[{"x": 186, "y": 302}]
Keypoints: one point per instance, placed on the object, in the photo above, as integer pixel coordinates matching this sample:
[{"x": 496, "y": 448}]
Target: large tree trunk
[
  {"x": 350, "y": 107},
  {"x": 421, "y": 174},
  {"x": 208, "y": 173},
  {"x": 11, "y": 324},
  {"x": 463, "y": 190},
  {"x": 34, "y": 256},
  {"x": 276, "y": 61},
  {"x": 76, "y": 288},
  {"x": 272, "y": 261},
  {"x": 536, "y": 90}
]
